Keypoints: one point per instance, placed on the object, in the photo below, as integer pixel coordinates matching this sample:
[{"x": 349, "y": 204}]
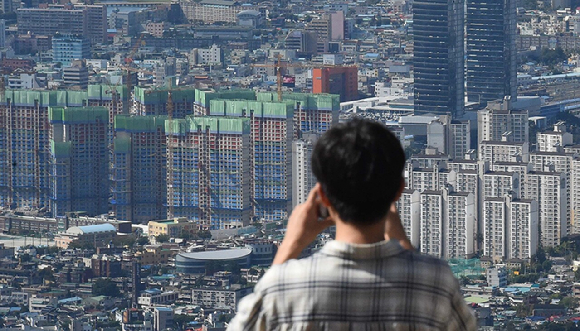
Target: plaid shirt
[{"x": 357, "y": 287}]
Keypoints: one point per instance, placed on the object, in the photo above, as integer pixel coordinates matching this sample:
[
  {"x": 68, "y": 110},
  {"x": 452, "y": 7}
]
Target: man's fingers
[{"x": 313, "y": 194}]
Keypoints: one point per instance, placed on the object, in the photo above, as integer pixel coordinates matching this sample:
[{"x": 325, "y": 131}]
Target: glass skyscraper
[
  {"x": 439, "y": 57},
  {"x": 491, "y": 50}
]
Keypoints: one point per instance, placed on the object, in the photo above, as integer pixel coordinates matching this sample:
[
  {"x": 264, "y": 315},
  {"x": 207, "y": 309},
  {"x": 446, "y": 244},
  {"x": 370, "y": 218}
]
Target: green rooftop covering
[
  {"x": 78, "y": 114},
  {"x": 307, "y": 100},
  {"x": 105, "y": 92},
  {"x": 60, "y": 149},
  {"x": 204, "y": 98},
  {"x": 260, "y": 108},
  {"x": 139, "y": 123},
  {"x": 121, "y": 145},
  {"x": 223, "y": 125},
  {"x": 148, "y": 96}
]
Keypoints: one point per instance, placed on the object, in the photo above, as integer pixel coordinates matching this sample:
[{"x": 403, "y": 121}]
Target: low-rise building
[
  {"x": 155, "y": 297},
  {"x": 219, "y": 297},
  {"x": 172, "y": 228},
  {"x": 96, "y": 235}
]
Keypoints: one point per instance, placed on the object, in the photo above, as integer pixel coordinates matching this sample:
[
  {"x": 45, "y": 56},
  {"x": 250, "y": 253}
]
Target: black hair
[{"x": 359, "y": 165}]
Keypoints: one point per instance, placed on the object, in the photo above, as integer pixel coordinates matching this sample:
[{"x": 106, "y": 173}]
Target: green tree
[
  {"x": 142, "y": 241},
  {"x": 204, "y": 234},
  {"x": 105, "y": 286},
  {"x": 569, "y": 302}
]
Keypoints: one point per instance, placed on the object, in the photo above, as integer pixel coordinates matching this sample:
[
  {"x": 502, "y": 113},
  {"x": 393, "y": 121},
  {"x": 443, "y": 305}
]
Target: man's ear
[
  {"x": 400, "y": 191},
  {"x": 322, "y": 196}
]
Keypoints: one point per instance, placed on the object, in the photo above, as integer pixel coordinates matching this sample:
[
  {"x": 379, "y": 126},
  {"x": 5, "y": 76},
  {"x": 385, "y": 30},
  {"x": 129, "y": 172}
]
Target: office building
[
  {"x": 208, "y": 165},
  {"x": 336, "y": 80},
  {"x": 78, "y": 160},
  {"x": 212, "y": 11},
  {"x": 76, "y": 75},
  {"x": 499, "y": 118},
  {"x": 301, "y": 41},
  {"x": 69, "y": 47},
  {"x": 303, "y": 180},
  {"x": 89, "y": 21},
  {"x": 138, "y": 172},
  {"x": 491, "y": 50},
  {"x": 438, "y": 57},
  {"x": 271, "y": 132}
]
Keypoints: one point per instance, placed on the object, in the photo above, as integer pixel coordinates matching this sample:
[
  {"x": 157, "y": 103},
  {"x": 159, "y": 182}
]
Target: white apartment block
[
  {"x": 555, "y": 140},
  {"x": 425, "y": 179},
  {"x": 499, "y": 184},
  {"x": 549, "y": 190},
  {"x": 494, "y": 228},
  {"x": 555, "y": 162},
  {"x": 456, "y": 165},
  {"x": 211, "y": 11},
  {"x": 219, "y": 297},
  {"x": 459, "y": 224},
  {"x": 523, "y": 229},
  {"x": 574, "y": 200},
  {"x": 303, "y": 179},
  {"x": 498, "y": 118},
  {"x": 409, "y": 207},
  {"x": 504, "y": 151},
  {"x": 521, "y": 168},
  {"x": 432, "y": 223},
  {"x": 510, "y": 229},
  {"x": 212, "y": 55},
  {"x": 465, "y": 181},
  {"x": 460, "y": 139}
]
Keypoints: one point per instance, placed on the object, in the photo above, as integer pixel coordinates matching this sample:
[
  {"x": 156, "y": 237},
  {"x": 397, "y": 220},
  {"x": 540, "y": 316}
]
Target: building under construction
[
  {"x": 78, "y": 160},
  {"x": 138, "y": 173},
  {"x": 154, "y": 101},
  {"x": 24, "y": 139},
  {"x": 313, "y": 113},
  {"x": 271, "y": 132},
  {"x": 208, "y": 174}
]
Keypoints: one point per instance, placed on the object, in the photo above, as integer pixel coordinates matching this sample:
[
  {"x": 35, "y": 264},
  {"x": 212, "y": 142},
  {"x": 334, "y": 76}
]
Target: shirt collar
[{"x": 345, "y": 250}]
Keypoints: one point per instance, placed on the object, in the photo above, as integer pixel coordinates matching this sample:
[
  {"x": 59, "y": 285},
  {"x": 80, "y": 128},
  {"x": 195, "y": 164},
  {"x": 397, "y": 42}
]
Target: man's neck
[{"x": 356, "y": 234}]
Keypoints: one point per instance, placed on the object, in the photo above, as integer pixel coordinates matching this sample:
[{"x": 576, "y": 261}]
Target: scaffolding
[
  {"x": 138, "y": 172},
  {"x": 78, "y": 164},
  {"x": 149, "y": 101},
  {"x": 270, "y": 156},
  {"x": 210, "y": 181}
]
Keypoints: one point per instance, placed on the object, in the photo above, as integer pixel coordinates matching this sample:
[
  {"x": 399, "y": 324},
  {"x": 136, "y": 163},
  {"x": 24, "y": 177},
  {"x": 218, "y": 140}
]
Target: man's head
[{"x": 359, "y": 165}]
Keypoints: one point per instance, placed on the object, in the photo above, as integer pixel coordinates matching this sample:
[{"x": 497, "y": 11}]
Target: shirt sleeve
[
  {"x": 250, "y": 315},
  {"x": 461, "y": 316}
]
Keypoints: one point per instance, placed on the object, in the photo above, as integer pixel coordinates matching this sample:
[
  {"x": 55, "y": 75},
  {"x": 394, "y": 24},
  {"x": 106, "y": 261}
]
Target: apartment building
[
  {"x": 499, "y": 118},
  {"x": 554, "y": 140},
  {"x": 303, "y": 180},
  {"x": 139, "y": 168},
  {"x": 208, "y": 177},
  {"x": 78, "y": 160},
  {"x": 431, "y": 223}
]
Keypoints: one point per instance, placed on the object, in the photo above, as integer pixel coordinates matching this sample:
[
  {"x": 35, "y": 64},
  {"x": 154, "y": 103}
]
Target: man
[{"x": 369, "y": 278}]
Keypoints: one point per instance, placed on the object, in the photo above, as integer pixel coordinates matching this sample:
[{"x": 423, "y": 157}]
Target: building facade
[{"x": 438, "y": 33}]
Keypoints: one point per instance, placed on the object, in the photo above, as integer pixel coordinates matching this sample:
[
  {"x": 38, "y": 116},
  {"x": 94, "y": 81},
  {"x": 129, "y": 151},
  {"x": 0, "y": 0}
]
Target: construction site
[
  {"x": 221, "y": 158},
  {"x": 78, "y": 160},
  {"x": 138, "y": 172}
]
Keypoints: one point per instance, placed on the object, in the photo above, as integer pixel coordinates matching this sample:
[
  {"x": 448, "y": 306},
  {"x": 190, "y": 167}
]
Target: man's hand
[
  {"x": 303, "y": 227},
  {"x": 394, "y": 229}
]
